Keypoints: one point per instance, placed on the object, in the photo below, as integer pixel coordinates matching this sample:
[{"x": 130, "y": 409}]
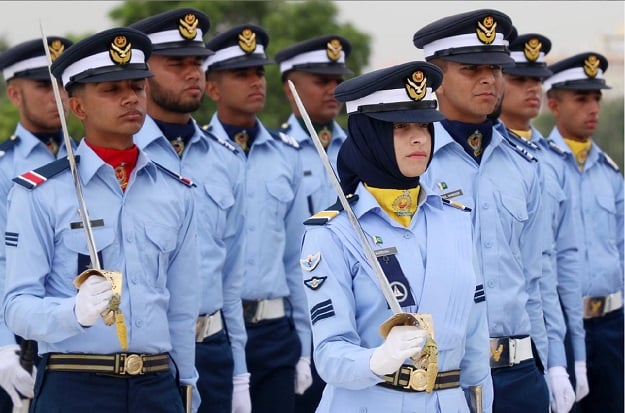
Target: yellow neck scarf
[
  {"x": 580, "y": 150},
  {"x": 399, "y": 204}
]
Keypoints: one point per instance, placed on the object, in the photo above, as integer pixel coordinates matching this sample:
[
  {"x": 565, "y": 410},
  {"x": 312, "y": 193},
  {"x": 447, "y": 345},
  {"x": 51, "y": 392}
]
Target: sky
[{"x": 572, "y": 26}]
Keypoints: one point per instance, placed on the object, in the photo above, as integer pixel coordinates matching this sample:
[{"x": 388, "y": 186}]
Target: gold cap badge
[
  {"x": 121, "y": 50},
  {"x": 591, "y": 66},
  {"x": 334, "y": 49},
  {"x": 416, "y": 85},
  {"x": 247, "y": 41},
  {"x": 187, "y": 26},
  {"x": 56, "y": 48},
  {"x": 486, "y": 30},
  {"x": 532, "y": 49}
]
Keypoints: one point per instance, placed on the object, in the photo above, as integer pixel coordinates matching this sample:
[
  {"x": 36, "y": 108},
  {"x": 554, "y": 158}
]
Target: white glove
[
  {"x": 241, "y": 402},
  {"x": 303, "y": 375},
  {"x": 562, "y": 390},
  {"x": 402, "y": 342},
  {"x": 13, "y": 378},
  {"x": 93, "y": 297},
  {"x": 581, "y": 381}
]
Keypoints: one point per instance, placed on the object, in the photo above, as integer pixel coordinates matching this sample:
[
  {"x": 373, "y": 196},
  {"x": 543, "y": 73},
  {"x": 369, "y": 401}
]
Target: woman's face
[{"x": 413, "y": 146}]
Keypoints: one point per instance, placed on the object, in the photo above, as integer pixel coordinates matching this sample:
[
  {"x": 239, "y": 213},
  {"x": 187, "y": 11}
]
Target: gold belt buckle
[
  {"x": 594, "y": 307},
  {"x": 418, "y": 380},
  {"x": 133, "y": 364}
]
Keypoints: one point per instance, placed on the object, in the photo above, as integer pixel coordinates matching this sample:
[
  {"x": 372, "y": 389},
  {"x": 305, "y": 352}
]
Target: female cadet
[{"x": 424, "y": 246}]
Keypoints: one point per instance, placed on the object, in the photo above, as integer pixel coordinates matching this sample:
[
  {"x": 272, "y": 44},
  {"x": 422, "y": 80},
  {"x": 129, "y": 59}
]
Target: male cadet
[
  {"x": 316, "y": 67},
  {"x": 171, "y": 137},
  {"x": 142, "y": 228},
  {"x": 37, "y": 140},
  {"x": 475, "y": 165},
  {"x": 274, "y": 303},
  {"x": 574, "y": 98},
  {"x": 560, "y": 279}
]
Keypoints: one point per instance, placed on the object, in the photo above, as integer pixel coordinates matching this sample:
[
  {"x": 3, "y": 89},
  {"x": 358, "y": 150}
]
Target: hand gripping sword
[
  {"x": 113, "y": 313},
  {"x": 426, "y": 362}
]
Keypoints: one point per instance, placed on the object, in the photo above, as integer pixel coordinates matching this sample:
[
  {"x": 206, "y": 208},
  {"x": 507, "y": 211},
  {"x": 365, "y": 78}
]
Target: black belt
[
  {"x": 409, "y": 378},
  {"x": 118, "y": 364}
]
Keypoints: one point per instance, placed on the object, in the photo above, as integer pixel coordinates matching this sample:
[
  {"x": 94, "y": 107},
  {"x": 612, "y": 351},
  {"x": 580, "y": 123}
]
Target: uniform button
[
  {"x": 363, "y": 410},
  {"x": 250, "y": 261},
  {"x": 252, "y": 228},
  {"x": 138, "y": 323},
  {"x": 250, "y": 193},
  {"x": 491, "y": 283},
  {"x": 407, "y": 235},
  {"x": 488, "y": 244},
  {"x": 129, "y": 237},
  {"x": 485, "y": 205},
  {"x": 133, "y": 280}
]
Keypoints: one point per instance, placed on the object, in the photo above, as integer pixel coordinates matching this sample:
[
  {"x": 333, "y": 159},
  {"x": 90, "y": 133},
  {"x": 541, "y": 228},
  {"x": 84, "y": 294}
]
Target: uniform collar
[
  {"x": 338, "y": 134},
  {"x": 218, "y": 130},
  {"x": 28, "y": 142},
  {"x": 150, "y": 132},
  {"x": 90, "y": 163}
]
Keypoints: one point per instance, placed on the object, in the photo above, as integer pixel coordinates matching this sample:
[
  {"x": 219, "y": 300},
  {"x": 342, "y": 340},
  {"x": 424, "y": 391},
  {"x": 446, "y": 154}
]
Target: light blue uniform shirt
[
  {"x": 558, "y": 207},
  {"x": 599, "y": 198},
  {"x": 317, "y": 187},
  {"x": 504, "y": 195},
  {"x": 436, "y": 256},
  {"x": 274, "y": 212},
  {"x": 27, "y": 153},
  {"x": 219, "y": 175},
  {"x": 148, "y": 235}
]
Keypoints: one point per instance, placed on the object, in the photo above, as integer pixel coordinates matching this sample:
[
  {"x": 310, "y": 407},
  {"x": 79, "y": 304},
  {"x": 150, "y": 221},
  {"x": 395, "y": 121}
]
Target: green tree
[{"x": 285, "y": 25}]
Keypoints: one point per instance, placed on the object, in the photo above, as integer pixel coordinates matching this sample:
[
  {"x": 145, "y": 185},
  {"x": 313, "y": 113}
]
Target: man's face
[
  {"x": 522, "y": 97},
  {"x": 240, "y": 91},
  {"x": 178, "y": 84},
  {"x": 36, "y": 104},
  {"x": 576, "y": 112},
  {"x": 111, "y": 111},
  {"x": 317, "y": 94},
  {"x": 469, "y": 92}
]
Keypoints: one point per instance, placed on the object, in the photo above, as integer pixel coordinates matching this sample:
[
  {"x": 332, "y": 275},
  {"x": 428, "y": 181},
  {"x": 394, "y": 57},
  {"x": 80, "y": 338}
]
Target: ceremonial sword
[{"x": 112, "y": 314}]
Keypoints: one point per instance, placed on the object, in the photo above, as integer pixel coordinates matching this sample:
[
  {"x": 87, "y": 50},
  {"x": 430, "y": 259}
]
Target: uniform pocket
[
  {"x": 160, "y": 243},
  {"x": 279, "y": 197},
  {"x": 214, "y": 212}
]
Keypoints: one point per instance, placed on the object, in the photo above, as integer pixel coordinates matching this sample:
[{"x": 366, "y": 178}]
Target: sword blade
[
  {"x": 369, "y": 253},
  {"x": 82, "y": 206}
]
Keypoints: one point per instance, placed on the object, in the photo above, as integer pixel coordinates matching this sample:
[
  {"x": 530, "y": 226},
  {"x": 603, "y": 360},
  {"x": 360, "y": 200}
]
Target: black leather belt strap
[
  {"x": 404, "y": 379},
  {"x": 118, "y": 364}
]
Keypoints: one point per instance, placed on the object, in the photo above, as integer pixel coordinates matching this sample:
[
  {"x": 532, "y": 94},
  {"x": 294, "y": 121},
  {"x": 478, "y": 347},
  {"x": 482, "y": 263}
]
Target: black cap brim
[
  {"x": 527, "y": 71},
  {"x": 581, "y": 86},
  {"x": 34, "y": 74},
  {"x": 184, "y": 51},
  {"x": 324, "y": 70},
  {"x": 237, "y": 63},
  {"x": 126, "y": 74},
  {"x": 408, "y": 116},
  {"x": 489, "y": 58}
]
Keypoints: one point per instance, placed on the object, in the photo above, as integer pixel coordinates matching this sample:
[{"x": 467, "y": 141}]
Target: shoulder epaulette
[
  {"x": 287, "y": 139},
  {"x": 523, "y": 140},
  {"x": 522, "y": 151},
  {"x": 36, "y": 177},
  {"x": 479, "y": 295},
  {"x": 8, "y": 144},
  {"x": 285, "y": 127},
  {"x": 611, "y": 162},
  {"x": 554, "y": 147},
  {"x": 207, "y": 131},
  {"x": 456, "y": 205},
  {"x": 179, "y": 178},
  {"x": 325, "y": 216}
]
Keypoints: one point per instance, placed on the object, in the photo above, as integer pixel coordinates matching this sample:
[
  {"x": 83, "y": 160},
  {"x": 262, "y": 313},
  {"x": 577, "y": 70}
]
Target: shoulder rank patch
[
  {"x": 314, "y": 283},
  {"x": 206, "y": 129},
  {"x": 285, "y": 127},
  {"x": 522, "y": 151},
  {"x": 523, "y": 140},
  {"x": 554, "y": 147},
  {"x": 325, "y": 216},
  {"x": 179, "y": 178},
  {"x": 322, "y": 310},
  {"x": 479, "y": 295},
  {"x": 286, "y": 139},
  {"x": 11, "y": 238},
  {"x": 610, "y": 162},
  {"x": 456, "y": 205},
  {"x": 310, "y": 262},
  {"x": 8, "y": 144},
  {"x": 36, "y": 177}
]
